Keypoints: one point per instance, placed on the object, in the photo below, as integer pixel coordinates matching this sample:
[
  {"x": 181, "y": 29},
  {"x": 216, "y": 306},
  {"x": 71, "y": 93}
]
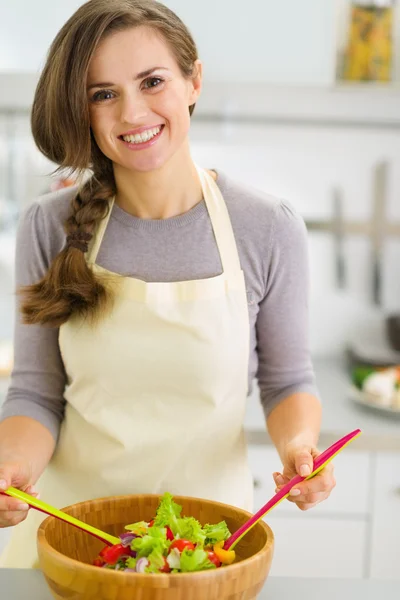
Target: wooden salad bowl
[{"x": 66, "y": 554}]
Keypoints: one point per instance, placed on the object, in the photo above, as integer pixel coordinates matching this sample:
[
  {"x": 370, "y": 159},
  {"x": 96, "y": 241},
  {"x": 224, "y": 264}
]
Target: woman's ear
[{"x": 196, "y": 82}]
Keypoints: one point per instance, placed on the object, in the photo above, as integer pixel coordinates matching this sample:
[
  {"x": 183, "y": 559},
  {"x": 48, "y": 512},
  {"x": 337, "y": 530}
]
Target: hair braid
[{"x": 70, "y": 285}]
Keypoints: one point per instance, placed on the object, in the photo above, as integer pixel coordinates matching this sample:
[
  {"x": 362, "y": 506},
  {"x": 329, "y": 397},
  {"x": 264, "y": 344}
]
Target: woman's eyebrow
[{"x": 138, "y": 76}]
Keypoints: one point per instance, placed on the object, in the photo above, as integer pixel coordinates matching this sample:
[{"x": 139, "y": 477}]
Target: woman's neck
[{"x": 166, "y": 192}]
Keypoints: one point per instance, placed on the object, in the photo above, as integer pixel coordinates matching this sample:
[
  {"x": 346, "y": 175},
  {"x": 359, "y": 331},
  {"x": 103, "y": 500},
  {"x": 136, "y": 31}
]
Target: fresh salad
[
  {"x": 170, "y": 543},
  {"x": 381, "y": 384}
]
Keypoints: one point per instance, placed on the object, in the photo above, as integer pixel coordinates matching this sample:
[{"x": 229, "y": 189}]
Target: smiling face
[{"x": 136, "y": 91}]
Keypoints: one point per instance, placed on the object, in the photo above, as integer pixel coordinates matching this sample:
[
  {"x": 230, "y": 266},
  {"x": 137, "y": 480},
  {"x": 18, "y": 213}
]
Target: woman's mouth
[{"x": 144, "y": 139}]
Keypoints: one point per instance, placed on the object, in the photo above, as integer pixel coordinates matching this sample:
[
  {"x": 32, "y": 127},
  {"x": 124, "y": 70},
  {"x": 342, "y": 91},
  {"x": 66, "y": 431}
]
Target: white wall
[
  {"x": 285, "y": 41},
  {"x": 303, "y": 165},
  {"x": 27, "y": 29}
]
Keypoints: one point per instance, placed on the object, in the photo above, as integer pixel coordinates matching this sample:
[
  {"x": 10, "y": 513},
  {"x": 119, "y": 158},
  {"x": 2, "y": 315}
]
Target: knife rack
[{"x": 378, "y": 229}]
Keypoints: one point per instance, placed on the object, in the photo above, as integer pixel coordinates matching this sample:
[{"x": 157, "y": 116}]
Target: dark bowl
[{"x": 393, "y": 331}]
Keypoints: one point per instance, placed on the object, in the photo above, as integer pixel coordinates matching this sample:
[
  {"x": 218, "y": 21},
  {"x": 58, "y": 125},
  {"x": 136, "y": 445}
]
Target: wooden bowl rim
[{"x": 42, "y": 541}]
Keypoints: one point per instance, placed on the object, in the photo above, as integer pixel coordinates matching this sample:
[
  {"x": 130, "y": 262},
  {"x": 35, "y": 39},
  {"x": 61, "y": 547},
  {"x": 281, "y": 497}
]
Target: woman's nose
[{"x": 133, "y": 109}]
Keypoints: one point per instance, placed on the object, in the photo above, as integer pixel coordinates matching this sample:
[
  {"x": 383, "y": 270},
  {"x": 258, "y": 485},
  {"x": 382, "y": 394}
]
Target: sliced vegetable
[
  {"x": 195, "y": 560},
  {"x": 154, "y": 539},
  {"x": 113, "y": 554},
  {"x": 174, "y": 559},
  {"x": 130, "y": 564},
  {"x": 225, "y": 556},
  {"x": 190, "y": 529},
  {"x": 359, "y": 374},
  {"x": 98, "y": 562},
  {"x": 214, "y": 558},
  {"x": 139, "y": 528},
  {"x": 216, "y": 533},
  {"x": 170, "y": 535},
  {"x": 141, "y": 565},
  {"x": 168, "y": 513},
  {"x": 127, "y": 539},
  {"x": 180, "y": 545},
  {"x": 157, "y": 562}
]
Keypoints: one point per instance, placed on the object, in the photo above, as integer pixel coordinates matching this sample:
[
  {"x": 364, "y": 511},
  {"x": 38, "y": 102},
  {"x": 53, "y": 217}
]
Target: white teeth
[{"x": 139, "y": 138}]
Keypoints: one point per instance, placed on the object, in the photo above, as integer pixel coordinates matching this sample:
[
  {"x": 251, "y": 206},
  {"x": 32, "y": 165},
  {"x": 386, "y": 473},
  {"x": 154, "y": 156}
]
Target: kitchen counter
[
  {"x": 340, "y": 415},
  {"x": 381, "y": 432},
  {"x": 20, "y": 584}
]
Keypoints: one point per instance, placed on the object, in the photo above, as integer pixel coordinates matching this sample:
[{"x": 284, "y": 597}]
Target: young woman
[{"x": 152, "y": 293}]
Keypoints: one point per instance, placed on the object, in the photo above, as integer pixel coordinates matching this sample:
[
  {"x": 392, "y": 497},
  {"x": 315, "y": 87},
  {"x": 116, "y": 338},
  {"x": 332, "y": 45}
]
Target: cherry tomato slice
[
  {"x": 98, "y": 562},
  {"x": 105, "y": 549},
  {"x": 166, "y": 568},
  {"x": 214, "y": 558},
  {"x": 114, "y": 553},
  {"x": 181, "y": 545}
]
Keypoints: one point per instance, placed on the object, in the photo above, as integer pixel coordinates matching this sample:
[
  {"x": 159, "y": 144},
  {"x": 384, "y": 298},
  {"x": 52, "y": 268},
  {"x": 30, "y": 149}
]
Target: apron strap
[
  {"x": 221, "y": 224},
  {"x": 95, "y": 243}
]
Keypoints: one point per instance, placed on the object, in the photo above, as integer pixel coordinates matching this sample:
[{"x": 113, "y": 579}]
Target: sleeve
[
  {"x": 282, "y": 326},
  {"x": 38, "y": 378}
]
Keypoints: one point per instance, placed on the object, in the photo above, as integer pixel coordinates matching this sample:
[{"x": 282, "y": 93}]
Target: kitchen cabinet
[
  {"x": 331, "y": 539},
  {"x": 385, "y": 528},
  {"x": 355, "y": 533},
  {"x": 318, "y": 547},
  {"x": 350, "y": 498}
]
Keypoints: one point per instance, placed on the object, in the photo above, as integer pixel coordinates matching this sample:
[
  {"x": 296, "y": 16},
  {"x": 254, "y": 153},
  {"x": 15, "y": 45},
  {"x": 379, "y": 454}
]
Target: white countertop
[
  {"x": 20, "y": 584},
  {"x": 341, "y": 415}
]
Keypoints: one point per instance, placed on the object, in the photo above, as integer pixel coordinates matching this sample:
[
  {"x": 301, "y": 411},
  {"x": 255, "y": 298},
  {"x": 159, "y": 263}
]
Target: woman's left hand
[{"x": 298, "y": 460}]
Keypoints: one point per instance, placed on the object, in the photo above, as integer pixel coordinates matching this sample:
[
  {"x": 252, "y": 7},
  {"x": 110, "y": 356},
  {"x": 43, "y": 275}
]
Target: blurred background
[{"x": 301, "y": 99}]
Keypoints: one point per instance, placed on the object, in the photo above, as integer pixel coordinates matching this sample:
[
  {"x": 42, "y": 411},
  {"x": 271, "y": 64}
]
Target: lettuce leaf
[
  {"x": 131, "y": 563},
  {"x": 168, "y": 513},
  {"x": 216, "y": 533},
  {"x": 157, "y": 561},
  {"x": 155, "y": 539},
  {"x": 139, "y": 528},
  {"x": 195, "y": 560},
  {"x": 188, "y": 528}
]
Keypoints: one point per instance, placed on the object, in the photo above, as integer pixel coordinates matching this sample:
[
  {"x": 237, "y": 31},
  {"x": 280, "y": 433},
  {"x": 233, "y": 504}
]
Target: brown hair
[{"x": 61, "y": 130}]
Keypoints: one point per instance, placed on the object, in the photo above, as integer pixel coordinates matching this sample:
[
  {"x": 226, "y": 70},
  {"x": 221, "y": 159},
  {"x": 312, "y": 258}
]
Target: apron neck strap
[
  {"x": 221, "y": 223},
  {"x": 95, "y": 243}
]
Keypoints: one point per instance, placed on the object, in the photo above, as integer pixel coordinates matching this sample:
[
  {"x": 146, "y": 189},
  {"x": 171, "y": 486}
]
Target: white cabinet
[
  {"x": 349, "y": 498},
  {"x": 385, "y": 537},
  {"x": 331, "y": 539},
  {"x": 318, "y": 547}
]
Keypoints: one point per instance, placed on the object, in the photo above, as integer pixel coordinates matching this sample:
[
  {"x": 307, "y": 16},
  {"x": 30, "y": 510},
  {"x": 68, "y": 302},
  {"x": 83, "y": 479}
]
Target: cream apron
[{"x": 156, "y": 392}]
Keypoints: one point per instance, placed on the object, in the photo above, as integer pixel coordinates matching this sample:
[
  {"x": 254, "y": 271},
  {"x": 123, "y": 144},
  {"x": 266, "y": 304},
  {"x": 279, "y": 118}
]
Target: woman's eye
[
  {"x": 152, "y": 82},
  {"x": 102, "y": 95}
]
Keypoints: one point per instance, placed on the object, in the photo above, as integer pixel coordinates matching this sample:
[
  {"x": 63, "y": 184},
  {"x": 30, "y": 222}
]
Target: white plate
[{"x": 369, "y": 401}]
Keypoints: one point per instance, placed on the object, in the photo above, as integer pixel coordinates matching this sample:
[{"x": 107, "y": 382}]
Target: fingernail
[
  {"x": 3, "y": 484},
  {"x": 305, "y": 470},
  {"x": 280, "y": 480},
  {"x": 22, "y": 506},
  {"x": 295, "y": 492}
]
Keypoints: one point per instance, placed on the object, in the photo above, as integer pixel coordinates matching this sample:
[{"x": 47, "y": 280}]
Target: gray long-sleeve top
[{"x": 272, "y": 243}]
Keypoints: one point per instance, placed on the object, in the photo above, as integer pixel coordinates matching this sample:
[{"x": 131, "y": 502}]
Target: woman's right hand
[{"x": 18, "y": 475}]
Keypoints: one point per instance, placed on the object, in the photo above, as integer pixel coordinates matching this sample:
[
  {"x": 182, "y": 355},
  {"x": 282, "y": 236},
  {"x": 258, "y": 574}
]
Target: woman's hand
[
  {"x": 16, "y": 474},
  {"x": 298, "y": 460}
]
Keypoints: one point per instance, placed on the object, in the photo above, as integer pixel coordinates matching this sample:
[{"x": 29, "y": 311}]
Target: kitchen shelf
[{"x": 345, "y": 104}]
